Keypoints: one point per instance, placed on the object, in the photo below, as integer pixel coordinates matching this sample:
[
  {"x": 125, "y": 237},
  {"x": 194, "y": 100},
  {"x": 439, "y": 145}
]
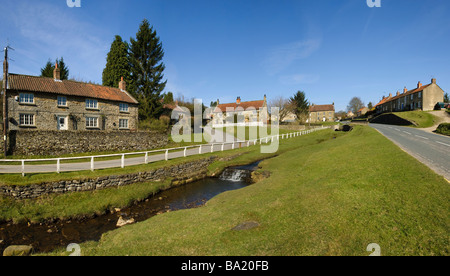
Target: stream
[{"x": 46, "y": 237}]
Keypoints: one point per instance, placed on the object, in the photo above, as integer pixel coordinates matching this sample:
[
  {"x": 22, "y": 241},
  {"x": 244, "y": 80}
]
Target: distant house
[
  {"x": 38, "y": 103},
  {"x": 362, "y": 111},
  {"x": 289, "y": 118},
  {"x": 423, "y": 97},
  {"x": 321, "y": 113},
  {"x": 249, "y": 113}
]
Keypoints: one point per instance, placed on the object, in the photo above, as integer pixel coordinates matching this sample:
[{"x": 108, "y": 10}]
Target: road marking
[
  {"x": 422, "y": 137},
  {"x": 407, "y": 132},
  {"x": 397, "y": 129},
  {"x": 443, "y": 144}
]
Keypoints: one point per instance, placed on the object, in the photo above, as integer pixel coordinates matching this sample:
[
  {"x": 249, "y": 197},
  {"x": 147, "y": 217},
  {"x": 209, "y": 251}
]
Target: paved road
[{"x": 431, "y": 149}]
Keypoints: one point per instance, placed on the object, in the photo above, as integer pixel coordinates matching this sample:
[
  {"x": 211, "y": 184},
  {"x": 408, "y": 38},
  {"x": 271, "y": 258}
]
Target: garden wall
[{"x": 56, "y": 143}]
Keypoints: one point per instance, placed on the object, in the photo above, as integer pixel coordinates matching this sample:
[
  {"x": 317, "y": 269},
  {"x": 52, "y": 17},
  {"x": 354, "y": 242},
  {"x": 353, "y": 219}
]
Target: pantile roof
[
  {"x": 245, "y": 105},
  {"x": 320, "y": 108},
  {"x": 67, "y": 87}
]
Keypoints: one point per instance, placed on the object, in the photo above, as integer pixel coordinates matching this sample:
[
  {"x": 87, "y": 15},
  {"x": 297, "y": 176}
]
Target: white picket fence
[{"x": 164, "y": 154}]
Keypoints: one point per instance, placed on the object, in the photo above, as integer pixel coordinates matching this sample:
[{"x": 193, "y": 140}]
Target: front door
[{"x": 62, "y": 123}]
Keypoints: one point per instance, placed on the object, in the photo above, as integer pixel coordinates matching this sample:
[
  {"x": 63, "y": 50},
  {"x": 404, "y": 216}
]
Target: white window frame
[
  {"x": 124, "y": 126},
  {"x": 91, "y": 122},
  {"x": 26, "y": 98},
  {"x": 91, "y": 104},
  {"x": 123, "y": 107},
  {"x": 62, "y": 101},
  {"x": 26, "y": 119}
]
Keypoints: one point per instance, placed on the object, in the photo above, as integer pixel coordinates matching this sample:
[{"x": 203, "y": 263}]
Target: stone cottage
[
  {"x": 321, "y": 113},
  {"x": 52, "y": 104},
  {"x": 422, "y": 97},
  {"x": 251, "y": 113}
]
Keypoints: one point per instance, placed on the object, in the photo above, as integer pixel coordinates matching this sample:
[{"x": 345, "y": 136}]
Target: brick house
[
  {"x": 38, "y": 103},
  {"x": 423, "y": 97},
  {"x": 321, "y": 113}
]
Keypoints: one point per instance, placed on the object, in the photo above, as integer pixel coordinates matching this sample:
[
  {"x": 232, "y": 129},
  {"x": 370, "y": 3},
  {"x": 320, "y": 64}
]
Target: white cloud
[{"x": 283, "y": 56}]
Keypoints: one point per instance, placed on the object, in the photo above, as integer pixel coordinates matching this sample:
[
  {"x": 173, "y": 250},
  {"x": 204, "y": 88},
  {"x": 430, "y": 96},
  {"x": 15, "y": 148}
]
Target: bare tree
[
  {"x": 355, "y": 104},
  {"x": 284, "y": 105}
]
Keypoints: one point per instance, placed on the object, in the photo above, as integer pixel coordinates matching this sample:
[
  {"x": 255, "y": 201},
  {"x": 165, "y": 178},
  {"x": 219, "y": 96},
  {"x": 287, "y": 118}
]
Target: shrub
[
  {"x": 161, "y": 125},
  {"x": 444, "y": 129}
]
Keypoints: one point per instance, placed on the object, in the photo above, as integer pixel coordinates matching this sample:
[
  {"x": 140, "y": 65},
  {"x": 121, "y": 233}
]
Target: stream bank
[{"x": 45, "y": 237}]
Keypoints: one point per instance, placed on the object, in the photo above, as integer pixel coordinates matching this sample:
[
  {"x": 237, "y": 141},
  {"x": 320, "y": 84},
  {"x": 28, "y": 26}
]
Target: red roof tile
[
  {"x": 412, "y": 91},
  {"x": 245, "y": 105},
  {"x": 66, "y": 87},
  {"x": 320, "y": 108}
]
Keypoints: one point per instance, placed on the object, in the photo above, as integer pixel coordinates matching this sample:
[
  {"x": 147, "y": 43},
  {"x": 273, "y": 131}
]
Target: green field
[{"x": 328, "y": 194}]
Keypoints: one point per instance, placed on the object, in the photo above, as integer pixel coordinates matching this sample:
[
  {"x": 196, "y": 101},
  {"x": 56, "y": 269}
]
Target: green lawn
[
  {"x": 421, "y": 119},
  {"x": 327, "y": 195}
]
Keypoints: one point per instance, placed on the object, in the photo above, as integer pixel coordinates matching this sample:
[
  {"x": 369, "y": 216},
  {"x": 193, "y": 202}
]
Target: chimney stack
[
  {"x": 238, "y": 101},
  {"x": 122, "y": 84},
  {"x": 398, "y": 93},
  {"x": 405, "y": 90},
  {"x": 433, "y": 80},
  {"x": 419, "y": 84},
  {"x": 57, "y": 72}
]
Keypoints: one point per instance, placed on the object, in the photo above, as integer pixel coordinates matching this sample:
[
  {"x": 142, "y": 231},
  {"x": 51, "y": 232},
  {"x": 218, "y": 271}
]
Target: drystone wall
[
  {"x": 181, "y": 174},
  {"x": 56, "y": 143}
]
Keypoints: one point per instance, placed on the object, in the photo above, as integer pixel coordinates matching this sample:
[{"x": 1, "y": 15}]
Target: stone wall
[
  {"x": 181, "y": 174},
  {"x": 56, "y": 143}
]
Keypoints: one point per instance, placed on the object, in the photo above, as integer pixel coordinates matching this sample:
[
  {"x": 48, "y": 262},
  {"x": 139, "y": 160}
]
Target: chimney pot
[
  {"x": 433, "y": 80},
  {"x": 405, "y": 90},
  {"x": 419, "y": 84},
  {"x": 57, "y": 72},
  {"x": 238, "y": 101},
  {"x": 122, "y": 84}
]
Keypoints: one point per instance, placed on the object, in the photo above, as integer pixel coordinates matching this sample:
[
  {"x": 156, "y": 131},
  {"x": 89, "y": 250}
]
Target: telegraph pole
[{"x": 5, "y": 110}]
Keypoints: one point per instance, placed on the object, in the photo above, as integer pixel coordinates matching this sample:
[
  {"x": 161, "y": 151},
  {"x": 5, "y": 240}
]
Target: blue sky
[{"x": 221, "y": 49}]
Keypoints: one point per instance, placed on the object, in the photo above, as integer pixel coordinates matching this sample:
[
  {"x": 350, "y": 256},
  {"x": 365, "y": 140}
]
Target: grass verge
[{"x": 420, "y": 119}]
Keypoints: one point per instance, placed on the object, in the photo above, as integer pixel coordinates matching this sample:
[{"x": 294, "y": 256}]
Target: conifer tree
[
  {"x": 117, "y": 64},
  {"x": 146, "y": 67},
  {"x": 47, "y": 70}
]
